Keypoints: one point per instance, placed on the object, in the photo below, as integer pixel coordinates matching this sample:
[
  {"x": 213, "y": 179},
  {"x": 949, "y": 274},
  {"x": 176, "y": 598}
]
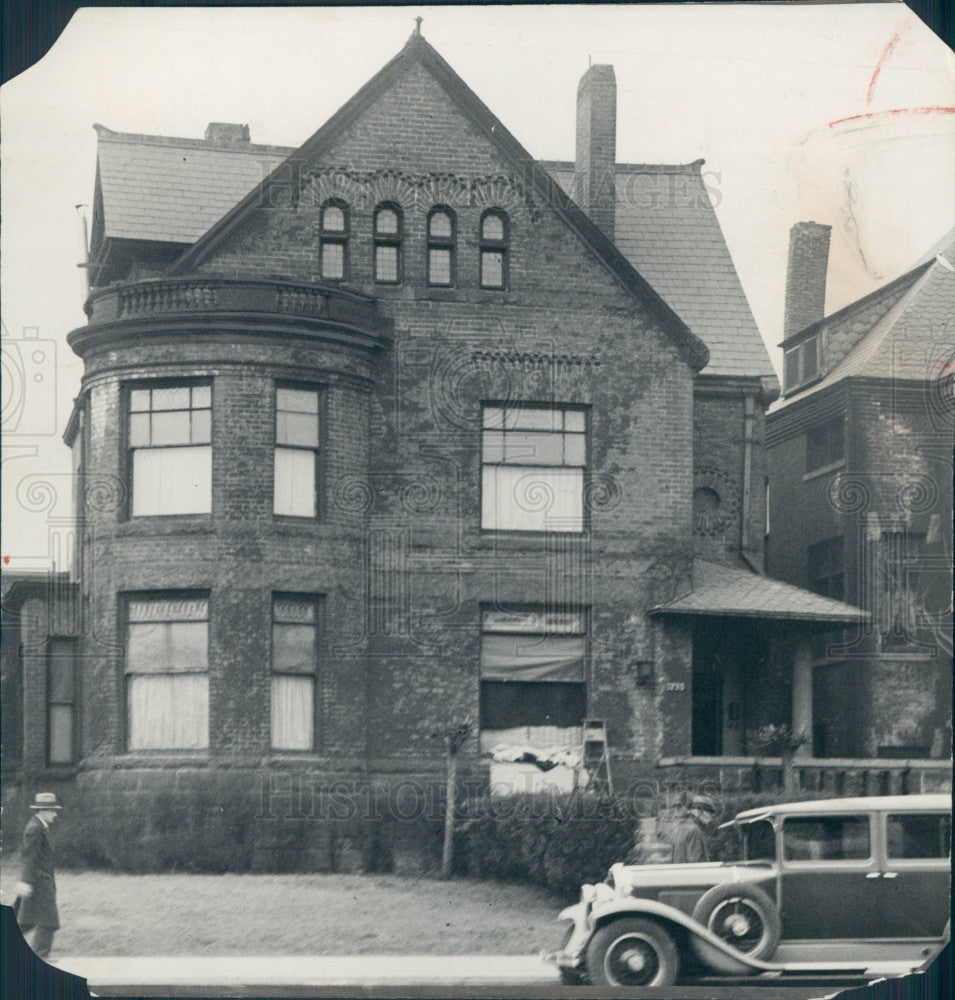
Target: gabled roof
[
  {"x": 667, "y": 228},
  {"x": 729, "y": 592},
  {"x": 418, "y": 51},
  {"x": 173, "y": 190},
  {"x": 914, "y": 339}
]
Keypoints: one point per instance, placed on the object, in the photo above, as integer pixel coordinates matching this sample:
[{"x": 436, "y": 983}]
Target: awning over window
[{"x": 532, "y": 657}]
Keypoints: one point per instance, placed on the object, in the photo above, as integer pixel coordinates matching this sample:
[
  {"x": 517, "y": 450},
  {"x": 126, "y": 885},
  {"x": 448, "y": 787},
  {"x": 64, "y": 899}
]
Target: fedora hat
[{"x": 45, "y": 800}]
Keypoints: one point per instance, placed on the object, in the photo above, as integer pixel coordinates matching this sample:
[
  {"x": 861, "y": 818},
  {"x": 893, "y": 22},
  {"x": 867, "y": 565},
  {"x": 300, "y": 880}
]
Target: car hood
[{"x": 698, "y": 874}]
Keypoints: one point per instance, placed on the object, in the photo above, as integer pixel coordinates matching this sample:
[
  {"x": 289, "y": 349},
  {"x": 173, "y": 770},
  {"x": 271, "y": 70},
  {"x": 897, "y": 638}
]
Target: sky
[{"x": 837, "y": 114}]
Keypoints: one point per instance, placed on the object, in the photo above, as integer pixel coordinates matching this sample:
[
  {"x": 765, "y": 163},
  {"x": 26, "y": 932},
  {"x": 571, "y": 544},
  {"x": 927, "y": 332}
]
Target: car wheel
[
  {"x": 741, "y": 915},
  {"x": 573, "y": 977},
  {"x": 632, "y": 952}
]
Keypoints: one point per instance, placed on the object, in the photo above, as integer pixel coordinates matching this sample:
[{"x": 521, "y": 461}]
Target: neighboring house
[
  {"x": 400, "y": 435},
  {"x": 860, "y": 472}
]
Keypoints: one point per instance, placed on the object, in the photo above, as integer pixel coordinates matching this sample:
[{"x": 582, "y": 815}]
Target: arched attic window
[
  {"x": 387, "y": 237},
  {"x": 442, "y": 234},
  {"x": 333, "y": 240},
  {"x": 494, "y": 246}
]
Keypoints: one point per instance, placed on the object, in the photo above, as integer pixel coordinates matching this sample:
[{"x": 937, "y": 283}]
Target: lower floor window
[
  {"x": 61, "y": 699},
  {"x": 294, "y": 662},
  {"x": 167, "y": 679},
  {"x": 532, "y": 678}
]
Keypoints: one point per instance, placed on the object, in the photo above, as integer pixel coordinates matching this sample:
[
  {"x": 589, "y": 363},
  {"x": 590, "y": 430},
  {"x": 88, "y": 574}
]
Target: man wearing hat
[
  {"x": 689, "y": 838},
  {"x": 35, "y": 904}
]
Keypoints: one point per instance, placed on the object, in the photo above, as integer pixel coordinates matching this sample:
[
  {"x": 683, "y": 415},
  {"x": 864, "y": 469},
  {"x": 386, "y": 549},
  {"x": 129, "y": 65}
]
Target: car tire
[
  {"x": 573, "y": 977},
  {"x": 741, "y": 915},
  {"x": 632, "y": 951}
]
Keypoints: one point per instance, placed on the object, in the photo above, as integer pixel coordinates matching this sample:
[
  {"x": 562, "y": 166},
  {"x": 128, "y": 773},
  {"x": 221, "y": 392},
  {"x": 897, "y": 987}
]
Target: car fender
[{"x": 731, "y": 961}]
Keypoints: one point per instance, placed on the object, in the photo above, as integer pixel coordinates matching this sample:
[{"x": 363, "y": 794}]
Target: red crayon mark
[
  {"x": 6, "y": 559},
  {"x": 895, "y": 112},
  {"x": 886, "y": 52}
]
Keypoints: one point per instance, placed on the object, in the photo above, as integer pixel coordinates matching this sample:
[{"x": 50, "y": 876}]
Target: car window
[
  {"x": 826, "y": 838},
  {"x": 919, "y": 835},
  {"x": 759, "y": 841}
]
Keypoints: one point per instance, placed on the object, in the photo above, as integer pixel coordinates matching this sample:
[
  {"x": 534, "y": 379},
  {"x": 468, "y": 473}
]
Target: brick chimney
[
  {"x": 227, "y": 134},
  {"x": 597, "y": 145},
  {"x": 806, "y": 276}
]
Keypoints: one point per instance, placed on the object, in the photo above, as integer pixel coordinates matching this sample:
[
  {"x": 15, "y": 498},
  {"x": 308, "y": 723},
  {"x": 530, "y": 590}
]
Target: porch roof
[{"x": 730, "y": 592}]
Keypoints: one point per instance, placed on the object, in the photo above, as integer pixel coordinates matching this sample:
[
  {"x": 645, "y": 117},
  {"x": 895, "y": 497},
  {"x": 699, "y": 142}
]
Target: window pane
[
  {"x": 201, "y": 396},
  {"x": 292, "y": 712},
  {"x": 439, "y": 266},
  {"x": 810, "y": 359},
  {"x": 333, "y": 219},
  {"x": 188, "y": 646},
  {"x": 168, "y": 712},
  {"x": 138, "y": 429},
  {"x": 528, "y": 448},
  {"x": 293, "y": 648},
  {"x": 138, "y": 400},
  {"x": 493, "y": 446},
  {"x": 147, "y": 647},
  {"x": 532, "y": 418},
  {"x": 61, "y": 679},
  {"x": 826, "y": 838},
  {"x": 532, "y": 657},
  {"x": 439, "y": 225},
  {"x": 575, "y": 449},
  {"x": 297, "y": 612},
  {"x": 919, "y": 836},
  {"x": 492, "y": 227},
  {"x": 492, "y": 269},
  {"x": 333, "y": 260},
  {"x": 179, "y": 609},
  {"x": 170, "y": 428},
  {"x": 538, "y": 622},
  {"x": 386, "y": 222},
  {"x": 507, "y": 704},
  {"x": 61, "y": 734},
  {"x": 297, "y": 400},
  {"x": 792, "y": 367},
  {"x": 574, "y": 420},
  {"x": 201, "y": 426},
  {"x": 493, "y": 416},
  {"x": 386, "y": 263},
  {"x": 172, "y": 480},
  {"x": 171, "y": 399},
  {"x": 294, "y": 482},
  {"x": 516, "y": 498},
  {"x": 296, "y": 428}
]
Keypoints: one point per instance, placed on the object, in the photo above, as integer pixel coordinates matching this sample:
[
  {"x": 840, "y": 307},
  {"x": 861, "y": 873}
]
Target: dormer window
[
  {"x": 388, "y": 244},
  {"x": 441, "y": 236},
  {"x": 333, "y": 240},
  {"x": 494, "y": 245},
  {"x": 803, "y": 362}
]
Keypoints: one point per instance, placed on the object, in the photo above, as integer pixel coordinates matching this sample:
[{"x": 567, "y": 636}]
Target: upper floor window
[
  {"x": 826, "y": 569},
  {"x": 333, "y": 240},
  {"x": 494, "y": 245},
  {"x": 533, "y": 462},
  {"x": 803, "y": 362},
  {"x": 167, "y": 673},
  {"x": 441, "y": 238},
  {"x": 825, "y": 444},
  {"x": 61, "y": 700},
  {"x": 294, "y": 663},
  {"x": 387, "y": 233},
  {"x": 170, "y": 435},
  {"x": 296, "y": 451}
]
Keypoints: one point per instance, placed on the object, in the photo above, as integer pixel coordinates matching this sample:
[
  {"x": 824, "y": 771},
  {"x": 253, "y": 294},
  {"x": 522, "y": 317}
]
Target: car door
[
  {"x": 914, "y": 883},
  {"x": 829, "y": 877}
]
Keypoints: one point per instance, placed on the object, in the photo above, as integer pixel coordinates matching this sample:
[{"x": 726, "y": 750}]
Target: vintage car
[{"x": 849, "y": 888}]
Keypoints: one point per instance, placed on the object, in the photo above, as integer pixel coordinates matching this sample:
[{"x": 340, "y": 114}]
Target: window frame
[
  {"x": 834, "y": 562},
  {"x": 381, "y": 240},
  {"x": 798, "y": 355},
  {"x": 127, "y": 448},
  {"x": 333, "y": 237},
  {"x": 317, "y": 603},
  {"x": 448, "y": 243},
  {"x": 802, "y": 864},
  {"x": 318, "y": 450},
  {"x": 915, "y": 863},
  {"x": 73, "y": 703},
  {"x": 488, "y": 246},
  {"x": 126, "y": 599},
  {"x": 820, "y": 438},
  {"x": 585, "y": 468}
]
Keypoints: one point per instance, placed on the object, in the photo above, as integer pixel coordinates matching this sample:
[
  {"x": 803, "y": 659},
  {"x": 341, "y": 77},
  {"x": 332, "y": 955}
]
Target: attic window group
[{"x": 388, "y": 245}]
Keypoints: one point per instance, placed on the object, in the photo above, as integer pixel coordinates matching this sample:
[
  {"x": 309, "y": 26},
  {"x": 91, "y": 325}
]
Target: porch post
[{"x": 802, "y": 689}]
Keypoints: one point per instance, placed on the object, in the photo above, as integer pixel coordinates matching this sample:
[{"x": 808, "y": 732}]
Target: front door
[
  {"x": 829, "y": 878},
  {"x": 707, "y": 714}
]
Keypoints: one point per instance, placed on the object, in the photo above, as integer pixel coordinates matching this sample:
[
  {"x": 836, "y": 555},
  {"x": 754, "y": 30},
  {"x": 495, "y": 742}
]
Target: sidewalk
[{"x": 300, "y": 970}]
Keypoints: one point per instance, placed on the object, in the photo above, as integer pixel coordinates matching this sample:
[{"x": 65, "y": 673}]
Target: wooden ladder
[{"x": 595, "y": 757}]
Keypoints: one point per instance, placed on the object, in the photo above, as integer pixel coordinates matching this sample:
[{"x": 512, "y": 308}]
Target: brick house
[
  {"x": 387, "y": 432},
  {"x": 859, "y": 449}
]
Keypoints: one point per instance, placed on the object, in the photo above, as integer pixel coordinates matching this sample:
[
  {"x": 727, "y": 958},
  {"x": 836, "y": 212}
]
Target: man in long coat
[
  {"x": 690, "y": 837},
  {"x": 35, "y": 904}
]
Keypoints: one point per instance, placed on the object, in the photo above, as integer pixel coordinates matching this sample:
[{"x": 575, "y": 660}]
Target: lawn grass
[{"x": 109, "y": 914}]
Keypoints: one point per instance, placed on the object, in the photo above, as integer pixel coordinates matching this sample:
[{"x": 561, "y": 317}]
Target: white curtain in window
[
  {"x": 292, "y": 712},
  {"x": 168, "y": 711},
  {"x": 172, "y": 480},
  {"x": 521, "y": 498},
  {"x": 61, "y": 734},
  {"x": 295, "y": 482}
]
